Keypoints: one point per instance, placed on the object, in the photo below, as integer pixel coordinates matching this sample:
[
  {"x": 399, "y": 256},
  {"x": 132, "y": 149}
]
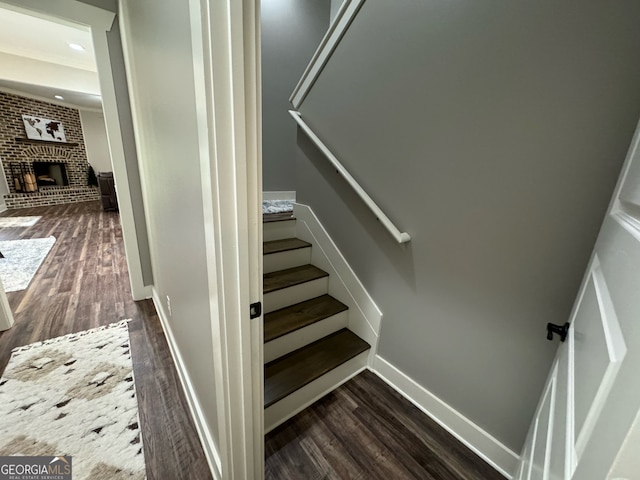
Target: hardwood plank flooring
[
  {"x": 83, "y": 283},
  {"x": 366, "y": 430}
]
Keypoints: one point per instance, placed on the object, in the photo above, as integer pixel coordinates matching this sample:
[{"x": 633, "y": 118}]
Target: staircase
[{"x": 308, "y": 349}]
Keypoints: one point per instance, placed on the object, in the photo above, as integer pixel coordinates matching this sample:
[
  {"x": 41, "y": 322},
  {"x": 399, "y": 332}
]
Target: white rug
[
  {"x": 22, "y": 258},
  {"x": 277, "y": 206},
  {"x": 75, "y": 395},
  {"x": 18, "y": 221}
]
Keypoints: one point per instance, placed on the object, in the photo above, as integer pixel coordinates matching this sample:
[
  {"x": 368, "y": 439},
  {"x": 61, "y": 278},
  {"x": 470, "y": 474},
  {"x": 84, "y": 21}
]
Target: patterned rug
[
  {"x": 21, "y": 261},
  {"x": 277, "y": 206},
  {"x": 75, "y": 395},
  {"x": 18, "y": 221}
]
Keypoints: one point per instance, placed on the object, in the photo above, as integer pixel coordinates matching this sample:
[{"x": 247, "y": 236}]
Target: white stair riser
[
  {"x": 292, "y": 404},
  {"x": 304, "y": 336},
  {"x": 278, "y": 230},
  {"x": 296, "y": 294},
  {"x": 291, "y": 258}
]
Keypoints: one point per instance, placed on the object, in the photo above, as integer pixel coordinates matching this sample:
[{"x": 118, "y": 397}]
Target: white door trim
[{"x": 226, "y": 34}]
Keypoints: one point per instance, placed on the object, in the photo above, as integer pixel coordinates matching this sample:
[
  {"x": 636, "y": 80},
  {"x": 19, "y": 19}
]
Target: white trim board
[
  {"x": 284, "y": 195},
  {"x": 48, "y": 100},
  {"x": 208, "y": 444},
  {"x": 337, "y": 29},
  {"x": 364, "y": 315},
  {"x": 483, "y": 444}
]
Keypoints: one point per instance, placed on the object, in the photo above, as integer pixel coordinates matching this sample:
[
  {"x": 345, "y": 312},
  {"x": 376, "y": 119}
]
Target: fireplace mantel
[{"x": 46, "y": 142}]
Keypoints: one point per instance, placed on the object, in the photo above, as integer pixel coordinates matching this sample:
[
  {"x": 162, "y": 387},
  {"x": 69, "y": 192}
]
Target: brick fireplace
[{"x": 42, "y": 173}]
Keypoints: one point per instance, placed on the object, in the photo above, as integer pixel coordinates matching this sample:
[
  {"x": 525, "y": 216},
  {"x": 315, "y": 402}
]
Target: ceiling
[{"x": 46, "y": 42}]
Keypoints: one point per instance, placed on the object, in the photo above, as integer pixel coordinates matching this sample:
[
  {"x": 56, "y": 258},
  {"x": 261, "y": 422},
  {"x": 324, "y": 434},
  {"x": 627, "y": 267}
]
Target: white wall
[
  {"x": 160, "y": 71},
  {"x": 493, "y": 132},
  {"x": 95, "y": 141}
]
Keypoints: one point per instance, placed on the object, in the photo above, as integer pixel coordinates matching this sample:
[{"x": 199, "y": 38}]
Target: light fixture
[
  {"x": 59, "y": 97},
  {"x": 76, "y": 46}
]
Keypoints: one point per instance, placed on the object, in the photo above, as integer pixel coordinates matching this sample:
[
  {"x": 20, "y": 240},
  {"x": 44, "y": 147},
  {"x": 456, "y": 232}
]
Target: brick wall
[{"x": 12, "y": 107}]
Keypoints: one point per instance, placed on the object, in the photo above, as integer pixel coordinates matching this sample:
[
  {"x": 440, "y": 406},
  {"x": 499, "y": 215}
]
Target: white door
[{"x": 592, "y": 394}]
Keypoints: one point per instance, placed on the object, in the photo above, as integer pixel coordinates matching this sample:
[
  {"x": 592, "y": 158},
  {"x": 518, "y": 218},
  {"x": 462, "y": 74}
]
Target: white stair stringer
[
  {"x": 364, "y": 315},
  {"x": 273, "y": 262},
  {"x": 280, "y": 346},
  {"x": 278, "y": 230},
  {"x": 297, "y": 401},
  {"x": 295, "y": 294}
]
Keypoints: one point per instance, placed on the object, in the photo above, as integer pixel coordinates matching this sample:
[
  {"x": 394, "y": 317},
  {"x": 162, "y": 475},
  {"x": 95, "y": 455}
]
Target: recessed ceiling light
[
  {"x": 59, "y": 97},
  {"x": 76, "y": 46}
]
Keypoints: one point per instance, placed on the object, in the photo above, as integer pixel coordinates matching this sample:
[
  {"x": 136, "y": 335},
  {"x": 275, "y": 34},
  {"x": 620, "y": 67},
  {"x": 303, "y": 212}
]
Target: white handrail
[{"x": 401, "y": 237}]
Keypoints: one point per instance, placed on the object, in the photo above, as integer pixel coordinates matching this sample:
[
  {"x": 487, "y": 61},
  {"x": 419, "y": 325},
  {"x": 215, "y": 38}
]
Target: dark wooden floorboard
[
  {"x": 367, "y": 430},
  {"x": 277, "y": 217},
  {"x": 283, "y": 245},
  {"x": 293, "y": 371},
  {"x": 291, "y": 276},
  {"x": 84, "y": 283},
  {"x": 294, "y": 317}
]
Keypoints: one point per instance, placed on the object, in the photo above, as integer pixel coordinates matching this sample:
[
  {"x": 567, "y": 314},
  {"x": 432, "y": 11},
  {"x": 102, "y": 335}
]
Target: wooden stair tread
[
  {"x": 277, "y": 217},
  {"x": 284, "y": 245},
  {"x": 291, "y": 276},
  {"x": 293, "y": 371},
  {"x": 294, "y": 317}
]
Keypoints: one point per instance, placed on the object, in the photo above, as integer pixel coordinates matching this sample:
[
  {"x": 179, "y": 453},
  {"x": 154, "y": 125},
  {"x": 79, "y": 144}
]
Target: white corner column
[{"x": 6, "y": 317}]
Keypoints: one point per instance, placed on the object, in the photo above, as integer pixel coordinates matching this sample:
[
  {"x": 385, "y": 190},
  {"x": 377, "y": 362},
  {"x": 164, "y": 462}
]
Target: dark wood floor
[
  {"x": 366, "y": 430},
  {"x": 83, "y": 283}
]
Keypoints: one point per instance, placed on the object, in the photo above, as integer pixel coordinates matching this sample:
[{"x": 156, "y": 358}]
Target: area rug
[
  {"x": 277, "y": 206},
  {"x": 18, "y": 221},
  {"x": 21, "y": 261},
  {"x": 75, "y": 395}
]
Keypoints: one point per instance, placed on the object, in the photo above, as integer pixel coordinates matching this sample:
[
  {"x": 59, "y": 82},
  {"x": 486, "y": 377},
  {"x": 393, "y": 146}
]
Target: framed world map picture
[{"x": 39, "y": 128}]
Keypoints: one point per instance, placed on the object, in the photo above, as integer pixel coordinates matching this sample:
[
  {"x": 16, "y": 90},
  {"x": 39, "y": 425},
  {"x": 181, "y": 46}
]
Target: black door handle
[{"x": 561, "y": 330}]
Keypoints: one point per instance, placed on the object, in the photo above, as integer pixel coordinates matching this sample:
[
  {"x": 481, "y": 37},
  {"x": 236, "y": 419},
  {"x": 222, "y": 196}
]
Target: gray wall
[
  {"x": 335, "y": 6},
  {"x": 163, "y": 96},
  {"x": 493, "y": 132},
  {"x": 95, "y": 140},
  {"x": 291, "y": 32}
]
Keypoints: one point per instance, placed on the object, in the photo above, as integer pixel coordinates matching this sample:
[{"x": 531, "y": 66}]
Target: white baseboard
[
  {"x": 208, "y": 444},
  {"x": 483, "y": 444},
  {"x": 364, "y": 315},
  {"x": 285, "y": 195}
]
